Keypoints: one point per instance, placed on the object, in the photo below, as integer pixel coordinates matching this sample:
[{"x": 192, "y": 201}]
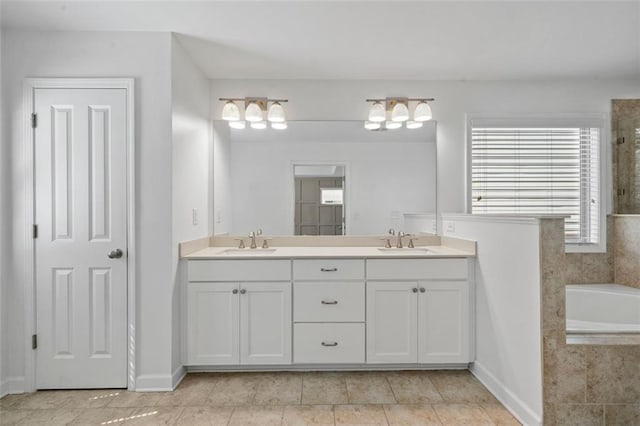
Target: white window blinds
[{"x": 538, "y": 171}]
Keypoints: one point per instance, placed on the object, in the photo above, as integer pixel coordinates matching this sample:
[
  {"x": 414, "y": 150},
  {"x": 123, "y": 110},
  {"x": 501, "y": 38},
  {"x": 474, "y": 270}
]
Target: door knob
[{"x": 115, "y": 254}]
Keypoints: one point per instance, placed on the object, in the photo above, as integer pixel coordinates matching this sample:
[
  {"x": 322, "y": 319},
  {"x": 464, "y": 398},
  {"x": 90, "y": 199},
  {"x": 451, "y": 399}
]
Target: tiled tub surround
[
  {"x": 404, "y": 397},
  {"x": 582, "y": 384}
]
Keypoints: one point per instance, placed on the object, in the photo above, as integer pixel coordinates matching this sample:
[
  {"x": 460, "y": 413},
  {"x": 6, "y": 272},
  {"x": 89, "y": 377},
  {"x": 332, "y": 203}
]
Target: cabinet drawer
[
  {"x": 328, "y": 343},
  {"x": 417, "y": 269},
  {"x": 328, "y": 269},
  {"x": 239, "y": 270},
  {"x": 328, "y": 302}
]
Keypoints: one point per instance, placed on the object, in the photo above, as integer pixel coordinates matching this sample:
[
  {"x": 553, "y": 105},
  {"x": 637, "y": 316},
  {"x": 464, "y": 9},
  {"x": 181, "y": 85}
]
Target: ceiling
[{"x": 392, "y": 40}]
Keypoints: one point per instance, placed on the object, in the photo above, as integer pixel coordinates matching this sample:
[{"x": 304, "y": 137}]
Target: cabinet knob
[
  {"x": 415, "y": 289},
  {"x": 422, "y": 289},
  {"x": 243, "y": 291},
  {"x": 234, "y": 291}
]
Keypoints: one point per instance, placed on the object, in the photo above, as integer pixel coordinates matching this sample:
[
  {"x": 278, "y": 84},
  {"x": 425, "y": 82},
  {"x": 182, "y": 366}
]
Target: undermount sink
[
  {"x": 247, "y": 251},
  {"x": 415, "y": 250}
]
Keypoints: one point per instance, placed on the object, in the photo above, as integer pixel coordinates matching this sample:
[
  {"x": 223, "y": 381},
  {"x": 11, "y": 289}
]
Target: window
[
  {"x": 331, "y": 196},
  {"x": 536, "y": 169}
]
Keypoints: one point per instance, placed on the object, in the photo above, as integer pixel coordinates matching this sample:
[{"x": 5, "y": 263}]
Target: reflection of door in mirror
[
  {"x": 625, "y": 122},
  {"x": 319, "y": 200}
]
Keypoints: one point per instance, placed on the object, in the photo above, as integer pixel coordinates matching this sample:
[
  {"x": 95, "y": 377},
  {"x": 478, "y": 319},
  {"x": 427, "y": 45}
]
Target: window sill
[{"x": 585, "y": 248}]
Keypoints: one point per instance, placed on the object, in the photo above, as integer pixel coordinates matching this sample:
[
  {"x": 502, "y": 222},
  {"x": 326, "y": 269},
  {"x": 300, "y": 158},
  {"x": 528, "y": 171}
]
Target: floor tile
[
  {"x": 234, "y": 390},
  {"x": 57, "y": 417},
  {"x": 257, "y": 415},
  {"x": 97, "y": 416},
  {"x": 195, "y": 393},
  {"x": 369, "y": 389},
  {"x": 12, "y": 417},
  {"x": 360, "y": 415},
  {"x": 414, "y": 388},
  {"x": 462, "y": 415},
  {"x": 94, "y": 398},
  {"x": 152, "y": 416},
  {"x": 411, "y": 414},
  {"x": 499, "y": 415},
  {"x": 205, "y": 416},
  {"x": 135, "y": 399},
  {"x": 308, "y": 415},
  {"x": 43, "y": 400},
  {"x": 279, "y": 389},
  {"x": 324, "y": 389},
  {"x": 460, "y": 386}
]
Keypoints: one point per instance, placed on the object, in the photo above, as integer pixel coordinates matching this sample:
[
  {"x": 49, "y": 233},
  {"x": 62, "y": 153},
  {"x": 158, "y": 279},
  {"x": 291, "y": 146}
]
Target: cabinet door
[
  {"x": 212, "y": 324},
  {"x": 443, "y": 324},
  {"x": 392, "y": 319},
  {"x": 265, "y": 323}
]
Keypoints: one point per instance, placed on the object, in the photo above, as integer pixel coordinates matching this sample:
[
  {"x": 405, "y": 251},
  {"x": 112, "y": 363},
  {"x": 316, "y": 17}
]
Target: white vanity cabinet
[
  {"x": 418, "y": 311},
  {"x": 238, "y": 312}
]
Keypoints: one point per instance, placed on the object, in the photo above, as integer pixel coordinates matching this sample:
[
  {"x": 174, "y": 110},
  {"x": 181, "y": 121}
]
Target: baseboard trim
[
  {"x": 515, "y": 405},
  {"x": 160, "y": 382},
  {"x": 11, "y": 385},
  {"x": 323, "y": 367},
  {"x": 177, "y": 376}
]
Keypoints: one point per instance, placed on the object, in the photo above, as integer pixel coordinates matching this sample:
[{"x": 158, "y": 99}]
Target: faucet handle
[
  {"x": 265, "y": 244},
  {"x": 387, "y": 242},
  {"x": 259, "y": 231},
  {"x": 392, "y": 231},
  {"x": 411, "y": 245},
  {"x": 241, "y": 244}
]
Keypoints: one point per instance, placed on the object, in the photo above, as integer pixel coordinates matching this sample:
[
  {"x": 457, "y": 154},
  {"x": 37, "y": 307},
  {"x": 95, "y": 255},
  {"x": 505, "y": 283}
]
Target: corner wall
[
  {"x": 190, "y": 175},
  {"x": 508, "y": 340}
]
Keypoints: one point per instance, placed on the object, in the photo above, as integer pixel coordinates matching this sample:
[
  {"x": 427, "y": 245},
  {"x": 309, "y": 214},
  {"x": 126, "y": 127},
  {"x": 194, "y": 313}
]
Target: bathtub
[{"x": 602, "y": 308}]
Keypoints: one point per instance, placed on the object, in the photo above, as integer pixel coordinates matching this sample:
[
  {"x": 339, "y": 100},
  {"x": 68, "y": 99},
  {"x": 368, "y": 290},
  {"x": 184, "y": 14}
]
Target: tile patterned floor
[{"x": 318, "y": 398}]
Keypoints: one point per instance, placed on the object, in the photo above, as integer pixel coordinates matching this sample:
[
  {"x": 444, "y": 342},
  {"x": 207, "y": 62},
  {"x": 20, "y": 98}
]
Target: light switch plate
[
  {"x": 451, "y": 227},
  {"x": 194, "y": 214}
]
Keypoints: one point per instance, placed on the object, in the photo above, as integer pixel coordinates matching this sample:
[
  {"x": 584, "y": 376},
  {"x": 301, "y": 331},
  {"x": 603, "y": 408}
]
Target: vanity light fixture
[
  {"x": 255, "y": 110},
  {"x": 396, "y": 110}
]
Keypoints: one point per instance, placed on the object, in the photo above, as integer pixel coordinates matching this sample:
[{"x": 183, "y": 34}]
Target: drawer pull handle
[
  {"x": 329, "y": 269},
  {"x": 329, "y": 302},
  {"x": 329, "y": 343}
]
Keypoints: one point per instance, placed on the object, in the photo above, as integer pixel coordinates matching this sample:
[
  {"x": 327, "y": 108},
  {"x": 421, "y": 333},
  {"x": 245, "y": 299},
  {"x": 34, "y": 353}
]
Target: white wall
[
  {"x": 344, "y": 100},
  {"x": 382, "y": 178},
  {"x": 147, "y": 57},
  {"x": 4, "y": 229},
  {"x": 190, "y": 168},
  {"x": 221, "y": 163},
  {"x": 508, "y": 340}
]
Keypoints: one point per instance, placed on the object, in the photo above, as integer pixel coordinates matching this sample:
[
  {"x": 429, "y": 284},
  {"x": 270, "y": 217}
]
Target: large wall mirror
[{"x": 324, "y": 178}]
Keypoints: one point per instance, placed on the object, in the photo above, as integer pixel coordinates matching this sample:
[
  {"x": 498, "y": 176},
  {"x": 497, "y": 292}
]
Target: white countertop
[{"x": 327, "y": 252}]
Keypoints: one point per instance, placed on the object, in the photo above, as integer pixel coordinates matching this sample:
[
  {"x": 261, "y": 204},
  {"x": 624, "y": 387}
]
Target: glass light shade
[
  {"x": 422, "y": 112},
  {"x": 414, "y": 124},
  {"x": 259, "y": 125},
  {"x": 372, "y": 125},
  {"x": 280, "y": 125},
  {"x": 253, "y": 112},
  {"x": 377, "y": 113},
  {"x": 276, "y": 113},
  {"x": 237, "y": 124},
  {"x": 391, "y": 125},
  {"x": 230, "y": 111},
  {"x": 400, "y": 112}
]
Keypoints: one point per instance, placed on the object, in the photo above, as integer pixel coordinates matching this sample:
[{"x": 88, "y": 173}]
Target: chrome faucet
[
  {"x": 399, "y": 240},
  {"x": 253, "y": 235}
]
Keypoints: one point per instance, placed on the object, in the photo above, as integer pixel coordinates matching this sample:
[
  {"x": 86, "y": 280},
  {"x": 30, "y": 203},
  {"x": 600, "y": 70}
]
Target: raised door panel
[
  {"x": 213, "y": 327},
  {"x": 444, "y": 324},
  {"x": 265, "y": 323},
  {"x": 392, "y": 317}
]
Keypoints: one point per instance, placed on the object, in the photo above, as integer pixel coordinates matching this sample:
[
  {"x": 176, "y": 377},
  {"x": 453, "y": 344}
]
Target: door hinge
[
  {"x": 621, "y": 191},
  {"x": 34, "y": 341},
  {"x": 620, "y": 140},
  {"x": 34, "y": 120},
  {"x": 35, "y": 231}
]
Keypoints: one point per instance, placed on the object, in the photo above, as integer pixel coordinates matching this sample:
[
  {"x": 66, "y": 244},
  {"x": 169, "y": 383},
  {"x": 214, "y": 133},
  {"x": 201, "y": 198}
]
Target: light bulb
[
  {"x": 253, "y": 112},
  {"x": 282, "y": 125},
  {"x": 372, "y": 125},
  {"x": 414, "y": 124},
  {"x": 422, "y": 112},
  {"x": 259, "y": 125},
  {"x": 237, "y": 124},
  {"x": 392, "y": 125},
  {"x": 230, "y": 111},
  {"x": 400, "y": 112},
  {"x": 377, "y": 112},
  {"x": 276, "y": 113}
]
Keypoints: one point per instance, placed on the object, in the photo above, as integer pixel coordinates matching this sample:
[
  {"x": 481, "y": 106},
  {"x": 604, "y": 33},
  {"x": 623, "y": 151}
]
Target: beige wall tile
[
  {"x": 573, "y": 414},
  {"x": 613, "y": 374},
  {"x": 622, "y": 415},
  {"x": 627, "y": 250}
]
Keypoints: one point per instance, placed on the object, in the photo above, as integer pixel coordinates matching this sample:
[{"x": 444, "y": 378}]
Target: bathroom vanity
[{"x": 329, "y": 307}]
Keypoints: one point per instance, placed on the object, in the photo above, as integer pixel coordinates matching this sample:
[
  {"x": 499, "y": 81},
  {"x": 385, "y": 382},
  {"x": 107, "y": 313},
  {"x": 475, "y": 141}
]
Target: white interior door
[{"x": 81, "y": 214}]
